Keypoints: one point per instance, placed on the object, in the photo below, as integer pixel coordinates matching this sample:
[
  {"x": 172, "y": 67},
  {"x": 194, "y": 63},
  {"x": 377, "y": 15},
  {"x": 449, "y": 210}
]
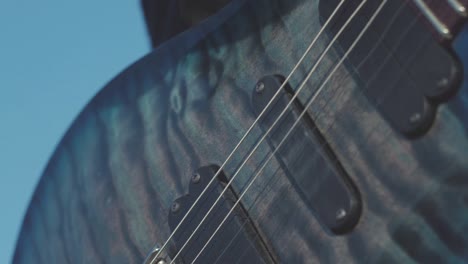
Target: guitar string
[
  {"x": 238, "y": 232},
  {"x": 403, "y": 67},
  {"x": 270, "y": 129},
  {"x": 248, "y": 132},
  {"x": 390, "y": 54},
  {"x": 372, "y": 131},
  {"x": 256, "y": 121},
  {"x": 293, "y": 126},
  {"x": 381, "y": 64},
  {"x": 366, "y": 85}
]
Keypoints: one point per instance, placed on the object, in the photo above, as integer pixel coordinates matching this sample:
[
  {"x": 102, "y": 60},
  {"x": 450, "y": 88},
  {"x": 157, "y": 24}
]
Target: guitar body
[{"x": 108, "y": 189}]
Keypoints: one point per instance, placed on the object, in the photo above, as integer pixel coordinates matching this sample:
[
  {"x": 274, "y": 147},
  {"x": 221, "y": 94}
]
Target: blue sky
[{"x": 54, "y": 56}]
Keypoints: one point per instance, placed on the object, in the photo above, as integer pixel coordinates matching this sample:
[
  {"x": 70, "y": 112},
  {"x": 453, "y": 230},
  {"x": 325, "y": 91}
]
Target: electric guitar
[{"x": 273, "y": 131}]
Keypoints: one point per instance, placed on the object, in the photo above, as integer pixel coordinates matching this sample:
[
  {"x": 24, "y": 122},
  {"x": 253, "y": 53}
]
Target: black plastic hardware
[
  {"x": 400, "y": 66},
  {"x": 307, "y": 159},
  {"x": 237, "y": 241}
]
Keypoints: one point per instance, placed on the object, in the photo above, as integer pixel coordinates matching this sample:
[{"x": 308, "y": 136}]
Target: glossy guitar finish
[{"x": 105, "y": 195}]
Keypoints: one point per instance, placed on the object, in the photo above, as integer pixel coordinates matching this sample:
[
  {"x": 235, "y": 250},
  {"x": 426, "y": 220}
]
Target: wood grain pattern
[{"x": 106, "y": 192}]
